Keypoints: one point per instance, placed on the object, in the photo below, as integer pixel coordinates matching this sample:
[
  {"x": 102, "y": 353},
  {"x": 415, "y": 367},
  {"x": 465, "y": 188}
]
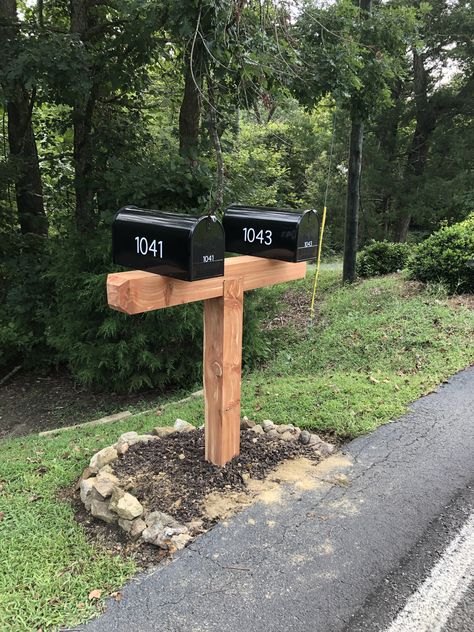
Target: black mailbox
[
  {"x": 179, "y": 246},
  {"x": 271, "y": 232}
]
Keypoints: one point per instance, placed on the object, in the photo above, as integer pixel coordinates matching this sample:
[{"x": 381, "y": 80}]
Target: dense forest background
[{"x": 190, "y": 105}]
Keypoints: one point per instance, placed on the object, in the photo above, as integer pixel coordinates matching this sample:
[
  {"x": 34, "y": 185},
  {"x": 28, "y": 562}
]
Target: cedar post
[{"x": 222, "y": 371}]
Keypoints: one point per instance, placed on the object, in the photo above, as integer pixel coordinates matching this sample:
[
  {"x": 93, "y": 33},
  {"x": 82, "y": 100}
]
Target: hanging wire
[{"x": 323, "y": 220}]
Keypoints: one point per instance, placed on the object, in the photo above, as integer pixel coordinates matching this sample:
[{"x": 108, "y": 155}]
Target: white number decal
[
  {"x": 208, "y": 258},
  {"x": 251, "y": 236},
  {"x": 143, "y": 247},
  {"x": 308, "y": 244}
]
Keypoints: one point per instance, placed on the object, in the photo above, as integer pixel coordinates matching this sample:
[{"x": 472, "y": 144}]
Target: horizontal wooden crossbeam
[{"x": 136, "y": 292}]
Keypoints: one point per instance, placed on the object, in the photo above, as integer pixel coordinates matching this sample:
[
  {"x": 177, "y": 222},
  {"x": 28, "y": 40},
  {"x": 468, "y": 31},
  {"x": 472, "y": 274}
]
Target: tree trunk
[
  {"x": 82, "y": 115},
  {"x": 418, "y": 154},
  {"x": 190, "y": 112},
  {"x": 353, "y": 182},
  {"x": 353, "y": 200},
  {"x": 21, "y": 138}
]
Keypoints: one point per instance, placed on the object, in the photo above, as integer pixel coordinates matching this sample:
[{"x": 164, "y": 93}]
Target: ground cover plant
[{"x": 373, "y": 348}]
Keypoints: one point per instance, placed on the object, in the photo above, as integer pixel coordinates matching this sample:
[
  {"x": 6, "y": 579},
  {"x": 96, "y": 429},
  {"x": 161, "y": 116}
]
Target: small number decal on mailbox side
[
  {"x": 250, "y": 235},
  {"x": 143, "y": 247}
]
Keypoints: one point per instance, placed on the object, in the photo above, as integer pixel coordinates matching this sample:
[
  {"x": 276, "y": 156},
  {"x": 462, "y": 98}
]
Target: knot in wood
[{"x": 217, "y": 369}]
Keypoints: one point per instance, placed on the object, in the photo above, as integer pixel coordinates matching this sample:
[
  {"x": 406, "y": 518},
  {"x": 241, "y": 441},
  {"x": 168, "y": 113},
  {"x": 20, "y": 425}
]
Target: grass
[{"x": 373, "y": 349}]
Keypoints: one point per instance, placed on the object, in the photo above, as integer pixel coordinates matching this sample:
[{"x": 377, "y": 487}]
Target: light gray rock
[
  {"x": 105, "y": 483},
  {"x": 183, "y": 426},
  {"x": 180, "y": 541},
  {"x": 325, "y": 449},
  {"x": 284, "y": 428},
  {"x": 246, "y": 423},
  {"x": 287, "y": 436},
  {"x": 86, "y": 488},
  {"x": 138, "y": 526},
  {"x": 103, "y": 457},
  {"x": 133, "y": 527},
  {"x": 315, "y": 439},
  {"x": 127, "y": 437},
  {"x": 128, "y": 507},
  {"x": 268, "y": 425},
  {"x": 145, "y": 438},
  {"x": 100, "y": 510},
  {"x": 162, "y": 519},
  {"x": 304, "y": 437},
  {"x": 122, "y": 448},
  {"x": 257, "y": 429},
  {"x": 163, "y": 431},
  {"x": 117, "y": 494}
]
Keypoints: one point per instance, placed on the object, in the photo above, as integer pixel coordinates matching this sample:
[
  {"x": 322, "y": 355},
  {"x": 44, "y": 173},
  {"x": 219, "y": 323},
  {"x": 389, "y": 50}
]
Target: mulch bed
[{"x": 164, "y": 482}]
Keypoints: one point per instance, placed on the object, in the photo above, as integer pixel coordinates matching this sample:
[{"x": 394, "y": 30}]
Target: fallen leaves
[{"x": 95, "y": 594}]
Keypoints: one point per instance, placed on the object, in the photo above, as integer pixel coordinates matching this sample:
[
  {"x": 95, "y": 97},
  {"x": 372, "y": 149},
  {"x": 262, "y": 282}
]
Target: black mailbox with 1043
[
  {"x": 272, "y": 233},
  {"x": 172, "y": 244}
]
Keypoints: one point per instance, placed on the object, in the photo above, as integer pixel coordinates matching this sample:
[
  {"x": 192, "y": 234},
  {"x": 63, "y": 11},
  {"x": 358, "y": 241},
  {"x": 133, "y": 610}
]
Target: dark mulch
[{"x": 162, "y": 481}]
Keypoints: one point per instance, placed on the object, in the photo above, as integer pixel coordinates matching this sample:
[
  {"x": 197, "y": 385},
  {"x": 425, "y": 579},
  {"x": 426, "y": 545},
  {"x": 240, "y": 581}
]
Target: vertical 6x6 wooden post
[{"x": 136, "y": 292}]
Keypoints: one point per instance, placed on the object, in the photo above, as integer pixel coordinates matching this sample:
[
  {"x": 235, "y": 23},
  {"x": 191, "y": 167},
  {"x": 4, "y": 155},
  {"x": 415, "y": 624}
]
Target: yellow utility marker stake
[{"x": 318, "y": 264}]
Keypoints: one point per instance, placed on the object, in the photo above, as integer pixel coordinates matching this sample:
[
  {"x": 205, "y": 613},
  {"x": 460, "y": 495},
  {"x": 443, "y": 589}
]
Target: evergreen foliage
[
  {"x": 382, "y": 257},
  {"x": 444, "y": 257}
]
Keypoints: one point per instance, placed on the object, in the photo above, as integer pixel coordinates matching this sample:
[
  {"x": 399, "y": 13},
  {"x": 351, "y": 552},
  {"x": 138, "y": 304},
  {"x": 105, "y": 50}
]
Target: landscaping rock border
[{"x": 102, "y": 496}]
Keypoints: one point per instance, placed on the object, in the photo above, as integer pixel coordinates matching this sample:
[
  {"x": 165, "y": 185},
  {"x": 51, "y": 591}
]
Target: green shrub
[
  {"x": 382, "y": 257},
  {"x": 443, "y": 257}
]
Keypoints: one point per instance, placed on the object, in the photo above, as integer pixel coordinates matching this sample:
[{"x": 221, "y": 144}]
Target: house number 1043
[
  {"x": 264, "y": 237},
  {"x": 144, "y": 247}
]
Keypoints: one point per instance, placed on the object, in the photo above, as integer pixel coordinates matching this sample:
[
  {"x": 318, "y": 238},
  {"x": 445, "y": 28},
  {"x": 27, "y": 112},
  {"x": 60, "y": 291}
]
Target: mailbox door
[
  {"x": 308, "y": 236},
  {"x": 207, "y": 249},
  {"x": 270, "y": 233}
]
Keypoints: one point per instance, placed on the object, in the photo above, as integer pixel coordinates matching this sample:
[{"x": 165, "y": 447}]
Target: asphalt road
[{"x": 386, "y": 531}]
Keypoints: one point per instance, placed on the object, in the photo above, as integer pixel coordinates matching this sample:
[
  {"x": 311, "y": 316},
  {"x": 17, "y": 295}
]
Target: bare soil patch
[
  {"x": 31, "y": 403},
  {"x": 194, "y": 491}
]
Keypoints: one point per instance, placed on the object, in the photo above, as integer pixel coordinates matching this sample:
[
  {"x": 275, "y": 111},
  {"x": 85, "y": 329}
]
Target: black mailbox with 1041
[{"x": 175, "y": 245}]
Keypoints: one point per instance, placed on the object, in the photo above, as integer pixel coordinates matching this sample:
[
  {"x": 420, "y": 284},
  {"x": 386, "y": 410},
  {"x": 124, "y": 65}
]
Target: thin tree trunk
[
  {"x": 190, "y": 112},
  {"x": 82, "y": 116},
  {"x": 353, "y": 200},
  {"x": 418, "y": 154},
  {"x": 216, "y": 141},
  {"x": 21, "y": 138},
  {"x": 353, "y": 182}
]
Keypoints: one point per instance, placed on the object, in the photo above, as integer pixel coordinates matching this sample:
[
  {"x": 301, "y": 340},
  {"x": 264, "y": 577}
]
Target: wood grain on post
[
  {"x": 222, "y": 369},
  {"x": 136, "y": 292}
]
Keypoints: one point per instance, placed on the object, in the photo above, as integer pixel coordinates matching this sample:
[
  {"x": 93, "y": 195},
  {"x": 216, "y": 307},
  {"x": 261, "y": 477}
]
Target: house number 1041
[{"x": 144, "y": 247}]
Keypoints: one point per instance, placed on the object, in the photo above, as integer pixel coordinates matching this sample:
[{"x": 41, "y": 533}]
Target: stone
[
  {"x": 273, "y": 434},
  {"x": 161, "y": 518},
  {"x": 246, "y": 423},
  {"x": 105, "y": 483},
  {"x": 304, "y": 437},
  {"x": 267, "y": 425},
  {"x": 325, "y": 449},
  {"x": 133, "y": 527},
  {"x": 183, "y": 426},
  {"x": 315, "y": 439},
  {"x": 181, "y": 456},
  {"x": 122, "y": 448},
  {"x": 145, "y": 438},
  {"x": 89, "y": 472},
  {"x": 195, "y": 526},
  {"x": 284, "y": 428},
  {"x": 107, "y": 469},
  {"x": 86, "y": 488},
  {"x": 257, "y": 429},
  {"x": 103, "y": 457},
  {"x": 100, "y": 510},
  {"x": 117, "y": 494},
  {"x": 163, "y": 431},
  {"x": 127, "y": 437},
  {"x": 126, "y": 525},
  {"x": 128, "y": 507},
  {"x": 287, "y": 436},
  {"x": 180, "y": 541}
]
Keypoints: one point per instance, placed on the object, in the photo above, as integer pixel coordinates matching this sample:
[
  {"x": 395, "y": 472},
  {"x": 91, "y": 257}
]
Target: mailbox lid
[
  {"x": 273, "y": 233},
  {"x": 162, "y": 243}
]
